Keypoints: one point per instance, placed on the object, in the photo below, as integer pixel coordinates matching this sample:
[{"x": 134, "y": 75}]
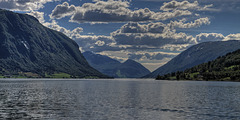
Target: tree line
[{"x": 224, "y": 68}]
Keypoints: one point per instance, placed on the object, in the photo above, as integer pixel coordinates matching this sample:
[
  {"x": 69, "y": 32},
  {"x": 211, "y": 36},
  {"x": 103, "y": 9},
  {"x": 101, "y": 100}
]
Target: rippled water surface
[{"x": 118, "y": 100}]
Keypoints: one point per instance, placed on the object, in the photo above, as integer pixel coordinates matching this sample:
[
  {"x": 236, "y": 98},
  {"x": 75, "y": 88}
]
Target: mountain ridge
[
  {"x": 224, "y": 68},
  {"x": 26, "y": 46},
  {"x": 114, "y": 68},
  {"x": 195, "y": 55}
]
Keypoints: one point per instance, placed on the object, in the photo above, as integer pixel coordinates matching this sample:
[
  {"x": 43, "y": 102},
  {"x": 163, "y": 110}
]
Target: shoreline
[{"x": 201, "y": 80}]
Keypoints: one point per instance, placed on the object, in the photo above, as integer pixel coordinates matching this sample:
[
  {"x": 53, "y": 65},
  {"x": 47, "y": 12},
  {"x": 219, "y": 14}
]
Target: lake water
[{"x": 118, "y": 100}]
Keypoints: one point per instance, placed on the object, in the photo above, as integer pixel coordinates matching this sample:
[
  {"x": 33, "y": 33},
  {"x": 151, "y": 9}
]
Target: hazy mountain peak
[
  {"x": 130, "y": 61},
  {"x": 112, "y": 67}
]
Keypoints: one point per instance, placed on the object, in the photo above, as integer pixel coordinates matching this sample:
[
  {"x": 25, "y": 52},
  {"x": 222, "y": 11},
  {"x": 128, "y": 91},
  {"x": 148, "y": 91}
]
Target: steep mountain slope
[
  {"x": 196, "y": 55},
  {"x": 104, "y": 64},
  {"x": 113, "y": 68},
  {"x": 132, "y": 69},
  {"x": 225, "y": 68},
  {"x": 28, "y": 48}
]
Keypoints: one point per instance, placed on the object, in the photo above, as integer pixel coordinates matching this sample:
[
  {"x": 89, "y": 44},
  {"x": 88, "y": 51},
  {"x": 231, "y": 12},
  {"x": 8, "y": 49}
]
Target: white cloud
[
  {"x": 145, "y": 28},
  {"x": 62, "y": 10},
  {"x": 111, "y": 11},
  {"x": 135, "y": 37},
  {"x": 38, "y": 15},
  {"x": 100, "y": 43},
  {"x": 72, "y": 34},
  {"x": 204, "y": 37},
  {"x": 185, "y": 5},
  {"x": 179, "y": 5},
  {"x": 197, "y": 23},
  {"x": 151, "y": 35},
  {"x": 232, "y": 37},
  {"x": 160, "y": 27},
  {"x": 156, "y": 27},
  {"x": 172, "y": 14},
  {"x": 23, "y": 5},
  {"x": 77, "y": 30},
  {"x": 120, "y": 55},
  {"x": 150, "y": 55},
  {"x": 176, "y": 47},
  {"x": 152, "y": 40},
  {"x": 96, "y": 43},
  {"x": 54, "y": 25}
]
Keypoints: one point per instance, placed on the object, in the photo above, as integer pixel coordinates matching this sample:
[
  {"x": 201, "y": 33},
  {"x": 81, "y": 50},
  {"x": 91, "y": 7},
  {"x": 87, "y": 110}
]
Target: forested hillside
[{"x": 224, "y": 68}]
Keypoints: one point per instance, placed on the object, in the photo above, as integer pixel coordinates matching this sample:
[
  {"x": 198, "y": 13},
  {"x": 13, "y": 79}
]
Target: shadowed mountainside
[
  {"x": 224, "y": 68},
  {"x": 196, "y": 55},
  {"x": 27, "y": 48}
]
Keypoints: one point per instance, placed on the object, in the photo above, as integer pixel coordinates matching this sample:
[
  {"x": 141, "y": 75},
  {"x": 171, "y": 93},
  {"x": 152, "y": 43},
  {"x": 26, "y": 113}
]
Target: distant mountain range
[
  {"x": 224, "y": 68},
  {"x": 113, "y": 68},
  {"x": 196, "y": 55},
  {"x": 29, "y": 49}
]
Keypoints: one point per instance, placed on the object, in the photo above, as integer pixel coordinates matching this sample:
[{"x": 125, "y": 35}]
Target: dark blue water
[{"x": 118, "y": 100}]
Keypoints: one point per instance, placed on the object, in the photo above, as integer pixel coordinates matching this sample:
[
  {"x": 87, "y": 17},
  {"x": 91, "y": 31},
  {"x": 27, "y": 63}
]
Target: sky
[{"x": 150, "y": 32}]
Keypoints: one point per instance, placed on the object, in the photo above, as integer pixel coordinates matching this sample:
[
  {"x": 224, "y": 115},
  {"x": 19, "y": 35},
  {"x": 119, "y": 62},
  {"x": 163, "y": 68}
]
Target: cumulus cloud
[
  {"x": 54, "y": 25},
  {"x": 204, "y": 37},
  {"x": 159, "y": 27},
  {"x": 157, "y": 36},
  {"x": 77, "y": 30},
  {"x": 232, "y": 37},
  {"x": 152, "y": 35},
  {"x": 23, "y": 5},
  {"x": 175, "y": 47},
  {"x": 111, "y": 11},
  {"x": 100, "y": 43},
  {"x": 138, "y": 28},
  {"x": 175, "y": 5},
  {"x": 153, "y": 40},
  {"x": 172, "y": 14},
  {"x": 157, "y": 56},
  {"x": 62, "y": 10},
  {"x": 38, "y": 15},
  {"x": 150, "y": 56},
  {"x": 96, "y": 43},
  {"x": 135, "y": 36},
  {"x": 72, "y": 34},
  {"x": 197, "y": 23}
]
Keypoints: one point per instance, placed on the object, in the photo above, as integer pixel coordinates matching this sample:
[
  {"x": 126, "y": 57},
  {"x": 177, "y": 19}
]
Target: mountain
[
  {"x": 29, "y": 49},
  {"x": 132, "y": 69},
  {"x": 113, "y": 68},
  {"x": 224, "y": 68},
  {"x": 104, "y": 64},
  {"x": 196, "y": 55}
]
